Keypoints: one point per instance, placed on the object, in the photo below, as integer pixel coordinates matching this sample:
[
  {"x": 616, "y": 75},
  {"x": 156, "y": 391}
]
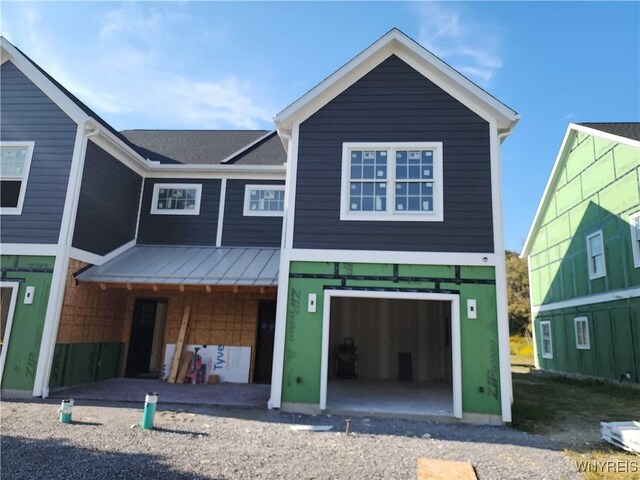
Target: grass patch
[{"x": 520, "y": 347}]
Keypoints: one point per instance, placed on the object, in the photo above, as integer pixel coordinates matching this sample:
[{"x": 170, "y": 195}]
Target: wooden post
[{"x": 175, "y": 363}]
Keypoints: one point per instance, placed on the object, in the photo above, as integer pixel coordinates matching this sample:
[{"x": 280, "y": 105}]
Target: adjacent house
[
  {"x": 583, "y": 250},
  {"x": 372, "y": 215}
]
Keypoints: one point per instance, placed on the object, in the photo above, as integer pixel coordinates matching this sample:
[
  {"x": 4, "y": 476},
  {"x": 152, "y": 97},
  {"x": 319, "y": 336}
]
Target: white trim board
[
  {"x": 382, "y": 256},
  {"x": 397, "y": 43},
  {"x": 95, "y": 259},
  {"x": 221, "y": 205},
  {"x": 589, "y": 300},
  {"x": 15, "y": 287},
  {"x": 35, "y": 249},
  {"x": 558, "y": 167},
  {"x": 456, "y": 355}
]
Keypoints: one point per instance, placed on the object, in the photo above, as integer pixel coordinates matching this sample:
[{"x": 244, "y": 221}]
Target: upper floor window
[
  {"x": 634, "y": 221},
  {"x": 176, "y": 199},
  {"x": 264, "y": 200},
  {"x": 595, "y": 255},
  {"x": 582, "y": 333},
  {"x": 15, "y": 161},
  {"x": 545, "y": 339},
  {"x": 392, "y": 181}
]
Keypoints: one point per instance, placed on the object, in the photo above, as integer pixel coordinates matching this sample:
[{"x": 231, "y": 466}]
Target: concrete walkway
[{"x": 133, "y": 390}]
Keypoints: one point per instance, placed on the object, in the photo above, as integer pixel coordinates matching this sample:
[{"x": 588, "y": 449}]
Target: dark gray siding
[
  {"x": 108, "y": 205},
  {"x": 394, "y": 103},
  {"x": 239, "y": 230},
  {"x": 27, "y": 114},
  {"x": 180, "y": 229}
]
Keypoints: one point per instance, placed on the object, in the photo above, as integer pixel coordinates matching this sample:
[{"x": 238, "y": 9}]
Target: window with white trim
[
  {"x": 595, "y": 255},
  {"x": 264, "y": 200},
  {"x": 582, "y": 333},
  {"x": 176, "y": 199},
  {"x": 634, "y": 221},
  {"x": 392, "y": 181},
  {"x": 15, "y": 162},
  {"x": 545, "y": 339}
]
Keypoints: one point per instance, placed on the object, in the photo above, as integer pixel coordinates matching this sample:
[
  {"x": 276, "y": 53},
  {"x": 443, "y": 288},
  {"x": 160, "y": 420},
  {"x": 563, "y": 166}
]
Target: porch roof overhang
[{"x": 187, "y": 265}]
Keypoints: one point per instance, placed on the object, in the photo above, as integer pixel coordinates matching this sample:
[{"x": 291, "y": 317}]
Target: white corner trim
[
  {"x": 186, "y": 186},
  {"x": 24, "y": 180},
  {"x": 15, "y": 287},
  {"x": 456, "y": 355},
  {"x": 635, "y": 238},
  {"x": 290, "y": 192},
  {"x": 221, "y": 205},
  {"x": 390, "y": 180},
  {"x": 142, "y": 185},
  {"x": 247, "y": 212},
  {"x": 277, "y": 371},
  {"x": 536, "y": 360},
  {"x": 611, "y": 296}
]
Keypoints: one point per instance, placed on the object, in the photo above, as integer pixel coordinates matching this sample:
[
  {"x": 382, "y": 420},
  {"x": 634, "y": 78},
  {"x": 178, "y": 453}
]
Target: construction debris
[
  {"x": 311, "y": 428},
  {"x": 430, "y": 469},
  {"x": 625, "y": 435}
]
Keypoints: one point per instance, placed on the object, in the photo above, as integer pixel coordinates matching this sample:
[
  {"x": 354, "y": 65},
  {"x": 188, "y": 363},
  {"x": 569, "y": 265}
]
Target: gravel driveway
[{"x": 217, "y": 443}]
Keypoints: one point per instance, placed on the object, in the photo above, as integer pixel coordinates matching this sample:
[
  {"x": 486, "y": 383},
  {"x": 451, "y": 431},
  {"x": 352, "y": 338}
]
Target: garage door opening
[{"x": 391, "y": 353}]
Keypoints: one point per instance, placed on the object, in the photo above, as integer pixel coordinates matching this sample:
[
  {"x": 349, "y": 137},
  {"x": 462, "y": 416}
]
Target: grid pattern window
[
  {"x": 582, "y": 333},
  {"x": 176, "y": 199},
  {"x": 392, "y": 182},
  {"x": 15, "y": 162},
  {"x": 264, "y": 200},
  {"x": 634, "y": 222},
  {"x": 545, "y": 339},
  {"x": 595, "y": 255}
]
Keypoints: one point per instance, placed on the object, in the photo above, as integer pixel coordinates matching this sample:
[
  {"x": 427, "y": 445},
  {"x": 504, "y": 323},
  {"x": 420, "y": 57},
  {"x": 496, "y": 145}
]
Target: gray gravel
[{"x": 217, "y": 443}]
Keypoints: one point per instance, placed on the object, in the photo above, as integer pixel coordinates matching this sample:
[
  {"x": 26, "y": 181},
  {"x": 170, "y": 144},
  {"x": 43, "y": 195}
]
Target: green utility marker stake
[
  {"x": 150, "y": 401},
  {"x": 65, "y": 410}
]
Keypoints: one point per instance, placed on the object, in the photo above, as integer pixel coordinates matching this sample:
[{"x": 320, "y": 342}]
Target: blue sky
[{"x": 235, "y": 65}]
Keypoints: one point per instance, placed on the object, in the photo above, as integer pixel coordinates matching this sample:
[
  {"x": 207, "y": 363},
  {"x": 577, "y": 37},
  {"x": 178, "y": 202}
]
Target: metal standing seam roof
[{"x": 189, "y": 266}]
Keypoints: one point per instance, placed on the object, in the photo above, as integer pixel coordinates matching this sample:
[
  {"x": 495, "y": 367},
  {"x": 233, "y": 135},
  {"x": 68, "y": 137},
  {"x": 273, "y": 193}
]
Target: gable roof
[
  {"x": 397, "y": 43},
  {"x": 205, "y": 147},
  {"x": 624, "y": 133},
  {"x": 629, "y": 130}
]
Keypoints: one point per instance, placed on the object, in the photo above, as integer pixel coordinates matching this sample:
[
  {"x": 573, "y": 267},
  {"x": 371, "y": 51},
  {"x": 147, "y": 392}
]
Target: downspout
[{"x": 64, "y": 256}]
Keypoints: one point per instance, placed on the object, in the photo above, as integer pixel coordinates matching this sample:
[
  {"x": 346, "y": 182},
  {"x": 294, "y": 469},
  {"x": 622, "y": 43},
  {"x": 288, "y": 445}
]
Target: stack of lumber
[{"x": 625, "y": 435}]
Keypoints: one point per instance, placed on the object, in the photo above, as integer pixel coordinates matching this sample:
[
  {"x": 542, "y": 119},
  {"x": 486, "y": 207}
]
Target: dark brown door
[
  {"x": 266, "y": 335},
  {"x": 141, "y": 340}
]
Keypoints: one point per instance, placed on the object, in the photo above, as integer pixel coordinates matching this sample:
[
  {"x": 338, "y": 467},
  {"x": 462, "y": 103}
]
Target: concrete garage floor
[
  {"x": 133, "y": 390},
  {"x": 390, "y": 398}
]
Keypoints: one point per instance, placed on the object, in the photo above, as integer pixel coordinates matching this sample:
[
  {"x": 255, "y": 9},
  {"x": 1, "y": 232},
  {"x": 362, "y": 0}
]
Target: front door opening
[
  {"x": 264, "y": 342},
  {"x": 390, "y": 355},
  {"x": 145, "y": 343}
]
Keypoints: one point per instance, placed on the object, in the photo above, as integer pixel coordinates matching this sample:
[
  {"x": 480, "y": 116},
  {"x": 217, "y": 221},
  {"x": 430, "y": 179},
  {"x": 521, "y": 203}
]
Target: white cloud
[
  {"x": 470, "y": 47},
  {"x": 133, "y": 71}
]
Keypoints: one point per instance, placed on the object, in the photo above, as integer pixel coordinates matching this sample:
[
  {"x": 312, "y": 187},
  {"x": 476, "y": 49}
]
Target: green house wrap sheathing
[
  {"x": 23, "y": 348},
  {"x": 75, "y": 363},
  {"x": 598, "y": 189},
  {"x": 479, "y": 338}
]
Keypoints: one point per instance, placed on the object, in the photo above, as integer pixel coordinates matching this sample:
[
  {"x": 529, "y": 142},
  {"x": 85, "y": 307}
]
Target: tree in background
[{"x": 518, "y": 293}]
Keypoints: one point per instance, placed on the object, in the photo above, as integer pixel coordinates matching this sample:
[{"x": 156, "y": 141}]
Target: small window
[
  {"x": 15, "y": 161},
  {"x": 582, "y": 333},
  {"x": 595, "y": 255},
  {"x": 545, "y": 339},
  {"x": 394, "y": 181},
  {"x": 264, "y": 200},
  {"x": 634, "y": 221},
  {"x": 176, "y": 199}
]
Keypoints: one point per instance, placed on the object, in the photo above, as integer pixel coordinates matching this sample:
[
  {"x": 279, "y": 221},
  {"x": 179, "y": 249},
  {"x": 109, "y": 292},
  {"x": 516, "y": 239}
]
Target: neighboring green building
[{"x": 584, "y": 256}]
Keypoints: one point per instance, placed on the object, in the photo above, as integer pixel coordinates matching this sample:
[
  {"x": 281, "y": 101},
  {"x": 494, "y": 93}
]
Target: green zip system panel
[
  {"x": 25, "y": 337},
  {"x": 75, "y": 363},
  {"x": 479, "y": 337}
]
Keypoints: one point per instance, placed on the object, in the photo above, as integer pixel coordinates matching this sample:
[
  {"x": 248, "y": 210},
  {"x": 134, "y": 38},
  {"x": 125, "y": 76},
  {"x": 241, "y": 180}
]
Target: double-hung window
[
  {"x": 392, "y": 181},
  {"x": 264, "y": 201},
  {"x": 176, "y": 199},
  {"x": 15, "y": 162},
  {"x": 582, "y": 333},
  {"x": 634, "y": 221},
  {"x": 545, "y": 339},
  {"x": 595, "y": 255}
]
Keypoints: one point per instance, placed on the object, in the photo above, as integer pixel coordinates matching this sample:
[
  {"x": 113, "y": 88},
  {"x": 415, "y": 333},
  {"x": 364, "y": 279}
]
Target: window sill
[{"x": 392, "y": 217}]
